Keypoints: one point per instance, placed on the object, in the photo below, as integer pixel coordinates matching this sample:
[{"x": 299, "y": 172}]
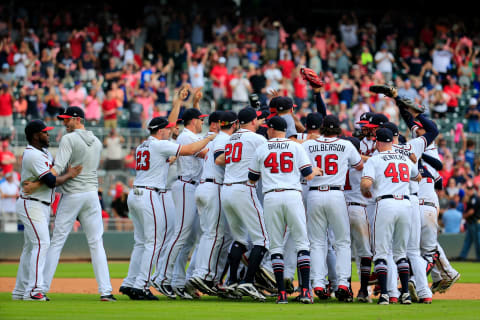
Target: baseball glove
[
  {"x": 409, "y": 104},
  {"x": 384, "y": 89},
  {"x": 312, "y": 78}
]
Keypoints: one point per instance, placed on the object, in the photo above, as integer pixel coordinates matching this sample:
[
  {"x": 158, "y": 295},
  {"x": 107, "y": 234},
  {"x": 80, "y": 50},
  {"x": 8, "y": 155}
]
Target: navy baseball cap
[
  {"x": 228, "y": 118},
  {"x": 376, "y": 120},
  {"x": 354, "y": 141},
  {"x": 72, "y": 112},
  {"x": 402, "y": 139},
  {"x": 384, "y": 135},
  {"x": 35, "y": 126},
  {"x": 277, "y": 123},
  {"x": 281, "y": 103},
  {"x": 331, "y": 121},
  {"x": 392, "y": 127},
  {"x": 314, "y": 120},
  {"x": 247, "y": 114},
  {"x": 192, "y": 113},
  {"x": 364, "y": 117},
  {"x": 265, "y": 114},
  {"x": 215, "y": 116},
  {"x": 160, "y": 123}
]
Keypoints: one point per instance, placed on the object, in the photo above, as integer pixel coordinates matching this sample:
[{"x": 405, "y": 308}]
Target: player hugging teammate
[{"x": 251, "y": 211}]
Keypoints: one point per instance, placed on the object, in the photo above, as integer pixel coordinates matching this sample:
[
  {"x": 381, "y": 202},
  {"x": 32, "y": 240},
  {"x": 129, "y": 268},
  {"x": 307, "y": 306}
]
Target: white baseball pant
[
  {"x": 86, "y": 207},
  {"x": 328, "y": 209},
  {"x": 212, "y": 224},
  {"x": 35, "y": 217}
]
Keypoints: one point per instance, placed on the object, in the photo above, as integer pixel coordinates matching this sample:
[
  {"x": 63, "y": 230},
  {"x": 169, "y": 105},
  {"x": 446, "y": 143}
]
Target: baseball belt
[
  {"x": 356, "y": 204},
  {"x": 187, "y": 181},
  {"x": 426, "y": 203},
  {"x": 325, "y": 188},
  {"x": 391, "y": 196},
  {"x": 151, "y": 188},
  {"x": 211, "y": 180},
  {"x": 232, "y": 183},
  {"x": 281, "y": 190},
  {"x": 38, "y": 200}
]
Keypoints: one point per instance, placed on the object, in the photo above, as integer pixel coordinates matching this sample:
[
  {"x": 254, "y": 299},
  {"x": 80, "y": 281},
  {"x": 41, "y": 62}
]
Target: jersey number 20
[
  {"x": 233, "y": 153},
  {"x": 143, "y": 160},
  {"x": 286, "y": 163}
]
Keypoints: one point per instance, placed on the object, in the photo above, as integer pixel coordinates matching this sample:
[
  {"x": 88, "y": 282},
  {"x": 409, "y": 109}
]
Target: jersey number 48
[{"x": 403, "y": 173}]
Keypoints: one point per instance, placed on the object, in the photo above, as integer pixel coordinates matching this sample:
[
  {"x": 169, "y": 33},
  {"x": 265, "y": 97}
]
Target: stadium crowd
[{"x": 109, "y": 69}]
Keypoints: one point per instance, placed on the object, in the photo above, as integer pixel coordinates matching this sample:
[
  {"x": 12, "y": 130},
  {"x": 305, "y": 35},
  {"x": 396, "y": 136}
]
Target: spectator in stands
[
  {"x": 271, "y": 30},
  {"x": 52, "y": 100},
  {"x": 441, "y": 58},
  {"x": 130, "y": 161},
  {"x": 407, "y": 91},
  {"x": 113, "y": 144},
  {"x": 241, "y": 89},
  {"x": 7, "y": 158},
  {"x": 76, "y": 96},
  {"x": 471, "y": 215},
  {"x": 384, "y": 61},
  {"x": 438, "y": 103},
  {"x": 348, "y": 28},
  {"x": 454, "y": 92},
  {"x": 6, "y": 76},
  {"x": 196, "y": 66},
  {"x": 119, "y": 193},
  {"x": 218, "y": 74},
  {"x": 273, "y": 76},
  {"x": 92, "y": 105},
  {"x": 33, "y": 97},
  {"x": 452, "y": 218},
  {"x": 109, "y": 110},
  {"x": 259, "y": 84},
  {"x": 470, "y": 153},
  {"x": 9, "y": 192},
  {"x": 472, "y": 114},
  {"x": 6, "y": 107}
]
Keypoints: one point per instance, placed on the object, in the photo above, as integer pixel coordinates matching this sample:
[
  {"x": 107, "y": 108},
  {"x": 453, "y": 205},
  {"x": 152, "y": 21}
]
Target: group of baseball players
[{"x": 236, "y": 202}]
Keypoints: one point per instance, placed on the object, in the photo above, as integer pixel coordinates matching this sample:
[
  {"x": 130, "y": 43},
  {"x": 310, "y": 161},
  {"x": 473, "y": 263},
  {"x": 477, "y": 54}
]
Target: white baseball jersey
[
  {"x": 280, "y": 162},
  {"x": 152, "y": 162},
  {"x": 390, "y": 172},
  {"x": 35, "y": 164},
  {"x": 189, "y": 167},
  {"x": 367, "y": 147},
  {"x": 239, "y": 152},
  {"x": 352, "y": 187},
  {"x": 334, "y": 156},
  {"x": 210, "y": 169}
]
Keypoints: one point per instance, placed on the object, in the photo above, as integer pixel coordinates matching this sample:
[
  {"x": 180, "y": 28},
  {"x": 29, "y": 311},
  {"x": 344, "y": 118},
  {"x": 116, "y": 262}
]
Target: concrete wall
[{"x": 119, "y": 245}]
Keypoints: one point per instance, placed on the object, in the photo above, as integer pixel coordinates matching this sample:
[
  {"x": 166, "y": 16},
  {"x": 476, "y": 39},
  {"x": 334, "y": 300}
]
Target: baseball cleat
[
  {"x": 192, "y": 291},
  {"x": 343, "y": 294},
  {"x": 149, "y": 295},
  {"x": 137, "y": 294},
  {"x": 231, "y": 287},
  {"x": 17, "y": 297},
  {"x": 282, "y": 298},
  {"x": 425, "y": 300},
  {"x": 384, "y": 89},
  {"x": 405, "y": 298},
  {"x": 306, "y": 297},
  {"x": 126, "y": 291},
  {"x": 412, "y": 289},
  {"x": 363, "y": 297},
  {"x": 182, "y": 294},
  {"x": 383, "y": 299},
  {"x": 108, "y": 297},
  {"x": 393, "y": 300},
  {"x": 436, "y": 286},
  {"x": 36, "y": 297},
  {"x": 248, "y": 289},
  {"x": 165, "y": 289},
  {"x": 199, "y": 284},
  {"x": 447, "y": 284},
  {"x": 289, "y": 288},
  {"x": 321, "y": 293},
  {"x": 46, "y": 298}
]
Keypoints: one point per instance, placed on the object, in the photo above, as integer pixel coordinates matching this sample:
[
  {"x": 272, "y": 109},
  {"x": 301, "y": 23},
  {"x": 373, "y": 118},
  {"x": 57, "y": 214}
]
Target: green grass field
[
  {"x": 470, "y": 271},
  {"x": 83, "y": 306}
]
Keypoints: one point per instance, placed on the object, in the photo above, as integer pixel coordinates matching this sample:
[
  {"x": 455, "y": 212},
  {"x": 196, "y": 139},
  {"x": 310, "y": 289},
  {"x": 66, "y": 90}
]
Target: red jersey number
[
  {"x": 286, "y": 163},
  {"x": 402, "y": 174},
  {"x": 233, "y": 153},
  {"x": 330, "y": 166},
  {"x": 143, "y": 160}
]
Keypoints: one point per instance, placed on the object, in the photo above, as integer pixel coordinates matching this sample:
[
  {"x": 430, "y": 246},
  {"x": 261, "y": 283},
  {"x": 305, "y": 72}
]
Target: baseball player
[
  {"x": 240, "y": 203},
  {"x": 79, "y": 200},
  {"x": 367, "y": 144},
  {"x": 359, "y": 225},
  {"x": 389, "y": 173},
  {"x": 326, "y": 205},
  {"x": 281, "y": 163},
  {"x": 208, "y": 200},
  {"x": 33, "y": 209},
  {"x": 189, "y": 169},
  {"x": 146, "y": 200}
]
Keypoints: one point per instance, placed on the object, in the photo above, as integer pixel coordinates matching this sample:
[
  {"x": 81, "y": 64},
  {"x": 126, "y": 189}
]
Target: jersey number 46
[{"x": 274, "y": 162}]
